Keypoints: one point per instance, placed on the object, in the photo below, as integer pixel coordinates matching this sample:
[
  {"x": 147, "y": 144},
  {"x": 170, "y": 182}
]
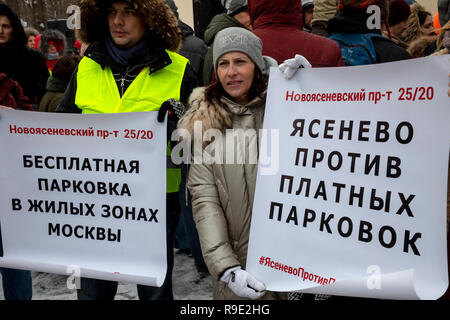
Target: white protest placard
[
  {"x": 84, "y": 195},
  {"x": 358, "y": 205}
]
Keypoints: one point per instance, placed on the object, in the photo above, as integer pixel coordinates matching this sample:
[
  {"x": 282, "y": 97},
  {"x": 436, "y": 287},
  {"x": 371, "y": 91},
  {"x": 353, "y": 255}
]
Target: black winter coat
[
  {"x": 28, "y": 68},
  {"x": 24, "y": 65},
  {"x": 194, "y": 49}
]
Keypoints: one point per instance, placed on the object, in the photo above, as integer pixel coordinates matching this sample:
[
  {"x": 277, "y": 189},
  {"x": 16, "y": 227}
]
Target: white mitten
[
  {"x": 243, "y": 284},
  {"x": 290, "y": 66}
]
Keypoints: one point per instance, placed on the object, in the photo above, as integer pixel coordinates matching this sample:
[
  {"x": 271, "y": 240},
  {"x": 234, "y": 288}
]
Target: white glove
[
  {"x": 290, "y": 66},
  {"x": 243, "y": 284}
]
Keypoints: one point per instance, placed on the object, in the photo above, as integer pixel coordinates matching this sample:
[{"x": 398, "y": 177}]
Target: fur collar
[
  {"x": 218, "y": 115},
  {"x": 211, "y": 116},
  {"x": 417, "y": 47}
]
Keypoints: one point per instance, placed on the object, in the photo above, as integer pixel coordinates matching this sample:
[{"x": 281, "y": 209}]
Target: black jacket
[
  {"x": 193, "y": 48},
  {"x": 24, "y": 65},
  {"x": 355, "y": 21},
  {"x": 156, "y": 59}
]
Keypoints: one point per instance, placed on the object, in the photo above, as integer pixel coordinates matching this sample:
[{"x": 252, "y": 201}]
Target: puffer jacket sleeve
[{"x": 210, "y": 220}]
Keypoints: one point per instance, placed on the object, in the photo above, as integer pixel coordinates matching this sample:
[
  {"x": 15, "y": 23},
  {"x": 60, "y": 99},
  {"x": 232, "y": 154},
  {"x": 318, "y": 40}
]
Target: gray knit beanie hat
[
  {"x": 233, "y": 7},
  {"x": 241, "y": 40}
]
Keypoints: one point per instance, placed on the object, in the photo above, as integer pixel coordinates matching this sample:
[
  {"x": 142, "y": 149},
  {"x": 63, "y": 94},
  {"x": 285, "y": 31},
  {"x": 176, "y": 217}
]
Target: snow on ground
[{"x": 187, "y": 284}]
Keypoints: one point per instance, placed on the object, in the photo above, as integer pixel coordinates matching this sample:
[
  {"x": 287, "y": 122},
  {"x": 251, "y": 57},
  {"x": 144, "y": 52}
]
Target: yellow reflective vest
[{"x": 97, "y": 92}]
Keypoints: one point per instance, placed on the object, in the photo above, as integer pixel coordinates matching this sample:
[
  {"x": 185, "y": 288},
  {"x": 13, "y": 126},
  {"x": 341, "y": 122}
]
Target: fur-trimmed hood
[
  {"x": 417, "y": 47},
  {"x": 57, "y": 36},
  {"x": 218, "y": 115},
  {"x": 413, "y": 29},
  {"x": 212, "y": 116},
  {"x": 157, "y": 14}
]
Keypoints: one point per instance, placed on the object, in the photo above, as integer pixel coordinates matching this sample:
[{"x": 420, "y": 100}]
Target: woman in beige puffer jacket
[{"x": 223, "y": 190}]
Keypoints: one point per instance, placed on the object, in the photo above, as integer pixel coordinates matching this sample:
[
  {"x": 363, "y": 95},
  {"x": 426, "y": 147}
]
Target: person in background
[
  {"x": 11, "y": 95},
  {"x": 58, "y": 82},
  {"x": 443, "y": 40},
  {"x": 31, "y": 36},
  {"x": 427, "y": 44},
  {"x": 399, "y": 12},
  {"x": 280, "y": 27},
  {"x": 132, "y": 57},
  {"x": 204, "y": 11},
  {"x": 77, "y": 47},
  {"x": 419, "y": 33},
  {"x": 53, "y": 44},
  {"x": 324, "y": 10},
  {"x": 17, "y": 284},
  {"x": 20, "y": 63},
  {"x": 308, "y": 14},
  {"x": 78, "y": 43},
  {"x": 360, "y": 42},
  {"x": 194, "y": 49},
  {"x": 419, "y": 23},
  {"x": 443, "y": 11},
  {"x": 238, "y": 9},
  {"x": 236, "y": 16}
]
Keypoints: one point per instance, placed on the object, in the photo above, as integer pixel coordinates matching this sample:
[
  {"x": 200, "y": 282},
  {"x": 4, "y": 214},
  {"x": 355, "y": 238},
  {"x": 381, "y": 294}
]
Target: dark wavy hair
[
  {"x": 19, "y": 37},
  {"x": 215, "y": 90},
  {"x": 423, "y": 16}
]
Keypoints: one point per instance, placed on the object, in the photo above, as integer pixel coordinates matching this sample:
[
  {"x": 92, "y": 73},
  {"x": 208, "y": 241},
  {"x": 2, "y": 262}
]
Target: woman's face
[
  {"x": 427, "y": 26},
  {"x": 235, "y": 71},
  {"x": 6, "y": 30},
  {"x": 52, "y": 49},
  {"x": 31, "y": 41}
]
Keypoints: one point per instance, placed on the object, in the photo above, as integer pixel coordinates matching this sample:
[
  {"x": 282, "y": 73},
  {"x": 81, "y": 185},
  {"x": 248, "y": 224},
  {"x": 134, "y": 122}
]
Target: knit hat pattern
[
  {"x": 233, "y": 7},
  {"x": 240, "y": 40}
]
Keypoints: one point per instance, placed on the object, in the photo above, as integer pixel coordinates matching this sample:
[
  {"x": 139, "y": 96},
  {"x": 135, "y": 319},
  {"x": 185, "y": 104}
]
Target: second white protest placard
[{"x": 361, "y": 190}]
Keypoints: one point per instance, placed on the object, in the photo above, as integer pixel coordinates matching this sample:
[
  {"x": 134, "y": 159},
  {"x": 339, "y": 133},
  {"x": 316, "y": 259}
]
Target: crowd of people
[{"x": 218, "y": 79}]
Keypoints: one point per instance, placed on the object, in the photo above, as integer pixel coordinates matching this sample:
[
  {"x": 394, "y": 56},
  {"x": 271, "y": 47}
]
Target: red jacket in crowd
[
  {"x": 11, "y": 94},
  {"x": 279, "y": 25}
]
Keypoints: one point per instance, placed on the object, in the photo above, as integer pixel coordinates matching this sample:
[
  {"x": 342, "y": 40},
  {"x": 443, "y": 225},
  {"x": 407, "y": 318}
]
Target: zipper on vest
[
  {"x": 128, "y": 74},
  {"x": 122, "y": 86}
]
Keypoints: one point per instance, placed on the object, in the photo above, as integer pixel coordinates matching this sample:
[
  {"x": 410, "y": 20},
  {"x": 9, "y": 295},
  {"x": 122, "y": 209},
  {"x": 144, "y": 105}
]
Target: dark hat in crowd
[
  {"x": 444, "y": 11},
  {"x": 307, "y": 3},
  {"x": 29, "y": 31},
  {"x": 364, "y": 4},
  {"x": 65, "y": 66},
  {"x": 399, "y": 11},
  {"x": 234, "y": 7}
]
